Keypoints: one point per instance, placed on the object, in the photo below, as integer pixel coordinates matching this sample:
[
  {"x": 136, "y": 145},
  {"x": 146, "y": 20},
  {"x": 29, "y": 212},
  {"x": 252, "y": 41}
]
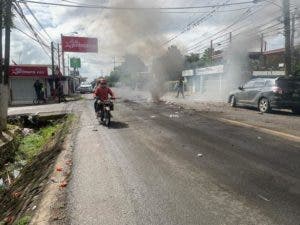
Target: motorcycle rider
[{"x": 102, "y": 93}]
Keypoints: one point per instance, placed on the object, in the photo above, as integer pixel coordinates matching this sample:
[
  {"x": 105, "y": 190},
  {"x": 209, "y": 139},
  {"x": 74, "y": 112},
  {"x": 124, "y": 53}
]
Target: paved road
[{"x": 161, "y": 164}]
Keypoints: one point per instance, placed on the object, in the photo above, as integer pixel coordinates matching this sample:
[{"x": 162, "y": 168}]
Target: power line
[
  {"x": 31, "y": 12},
  {"x": 135, "y": 8},
  {"x": 19, "y": 11},
  {"x": 194, "y": 23},
  {"x": 198, "y": 44}
]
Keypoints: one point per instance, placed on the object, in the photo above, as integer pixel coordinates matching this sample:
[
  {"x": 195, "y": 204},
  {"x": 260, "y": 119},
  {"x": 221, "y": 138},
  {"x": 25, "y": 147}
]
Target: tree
[
  {"x": 206, "y": 59},
  {"x": 114, "y": 77},
  {"x": 192, "y": 61}
]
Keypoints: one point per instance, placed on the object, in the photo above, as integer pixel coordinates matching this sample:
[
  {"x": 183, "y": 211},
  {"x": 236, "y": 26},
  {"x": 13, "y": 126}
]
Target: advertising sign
[
  {"x": 75, "y": 62},
  {"x": 79, "y": 44},
  {"x": 28, "y": 71},
  {"x": 210, "y": 70}
]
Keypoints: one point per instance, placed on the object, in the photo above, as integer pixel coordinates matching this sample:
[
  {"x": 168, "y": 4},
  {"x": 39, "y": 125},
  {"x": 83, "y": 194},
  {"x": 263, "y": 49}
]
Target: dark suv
[{"x": 269, "y": 93}]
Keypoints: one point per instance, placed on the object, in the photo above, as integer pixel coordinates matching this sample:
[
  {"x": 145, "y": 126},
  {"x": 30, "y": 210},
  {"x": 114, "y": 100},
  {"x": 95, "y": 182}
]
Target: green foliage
[
  {"x": 24, "y": 220},
  {"x": 32, "y": 144},
  {"x": 194, "y": 60},
  {"x": 114, "y": 77}
]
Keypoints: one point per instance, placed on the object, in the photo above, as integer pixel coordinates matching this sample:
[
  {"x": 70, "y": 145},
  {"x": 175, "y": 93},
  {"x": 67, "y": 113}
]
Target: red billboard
[
  {"x": 28, "y": 71},
  {"x": 79, "y": 44}
]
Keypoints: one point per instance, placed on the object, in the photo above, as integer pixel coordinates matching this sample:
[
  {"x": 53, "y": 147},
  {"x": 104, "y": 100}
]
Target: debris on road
[
  {"x": 174, "y": 116},
  {"x": 69, "y": 162},
  {"x": 63, "y": 184},
  {"x": 264, "y": 198}
]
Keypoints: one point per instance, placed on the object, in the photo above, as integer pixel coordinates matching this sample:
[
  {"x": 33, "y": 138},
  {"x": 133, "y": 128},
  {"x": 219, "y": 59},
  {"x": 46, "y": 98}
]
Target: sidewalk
[{"x": 51, "y": 106}]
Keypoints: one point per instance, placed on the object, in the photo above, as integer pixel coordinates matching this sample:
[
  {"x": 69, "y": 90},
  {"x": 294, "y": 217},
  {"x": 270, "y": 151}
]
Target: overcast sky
[{"x": 146, "y": 33}]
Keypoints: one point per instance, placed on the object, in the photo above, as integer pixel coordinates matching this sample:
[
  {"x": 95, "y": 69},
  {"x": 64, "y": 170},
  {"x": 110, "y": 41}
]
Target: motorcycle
[{"x": 104, "y": 113}]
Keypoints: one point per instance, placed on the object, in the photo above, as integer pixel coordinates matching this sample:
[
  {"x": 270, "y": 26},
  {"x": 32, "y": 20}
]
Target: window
[
  {"x": 270, "y": 82},
  {"x": 250, "y": 84},
  {"x": 259, "y": 83}
]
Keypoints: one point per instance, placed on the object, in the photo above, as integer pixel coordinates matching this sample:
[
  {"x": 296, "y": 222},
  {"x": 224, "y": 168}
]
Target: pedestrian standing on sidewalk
[
  {"x": 60, "y": 90},
  {"x": 180, "y": 87},
  {"x": 42, "y": 94},
  {"x": 38, "y": 88}
]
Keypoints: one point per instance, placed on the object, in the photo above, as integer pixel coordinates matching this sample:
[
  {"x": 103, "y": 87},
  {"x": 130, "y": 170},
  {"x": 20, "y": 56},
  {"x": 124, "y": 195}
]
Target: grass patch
[
  {"x": 31, "y": 145},
  {"x": 24, "y": 220}
]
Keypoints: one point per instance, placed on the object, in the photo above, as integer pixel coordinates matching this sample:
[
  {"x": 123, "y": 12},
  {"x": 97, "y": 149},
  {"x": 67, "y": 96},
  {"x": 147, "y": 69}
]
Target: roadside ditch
[{"x": 27, "y": 162}]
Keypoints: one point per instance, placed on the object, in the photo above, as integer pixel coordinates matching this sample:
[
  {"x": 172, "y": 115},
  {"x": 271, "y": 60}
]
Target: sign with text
[
  {"x": 79, "y": 44},
  {"x": 28, "y": 71},
  {"x": 75, "y": 62}
]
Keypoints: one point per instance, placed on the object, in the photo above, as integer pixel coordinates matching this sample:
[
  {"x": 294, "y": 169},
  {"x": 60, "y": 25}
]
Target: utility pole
[
  {"x": 58, "y": 56},
  {"x": 293, "y": 44},
  {"x": 287, "y": 34},
  {"x": 7, "y": 25},
  {"x": 52, "y": 59},
  {"x": 63, "y": 57},
  {"x": 1, "y": 26},
  {"x": 262, "y": 43},
  {"x": 211, "y": 52}
]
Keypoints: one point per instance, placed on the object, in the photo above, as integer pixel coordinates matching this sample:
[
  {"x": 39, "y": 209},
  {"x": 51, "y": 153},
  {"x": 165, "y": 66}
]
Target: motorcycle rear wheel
[{"x": 106, "y": 118}]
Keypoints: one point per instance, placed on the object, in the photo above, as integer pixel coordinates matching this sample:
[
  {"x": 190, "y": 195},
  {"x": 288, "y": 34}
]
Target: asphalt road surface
[{"x": 161, "y": 164}]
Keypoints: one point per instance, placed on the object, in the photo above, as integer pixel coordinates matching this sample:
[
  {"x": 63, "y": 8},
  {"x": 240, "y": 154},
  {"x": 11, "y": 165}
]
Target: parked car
[
  {"x": 268, "y": 93},
  {"x": 85, "y": 88}
]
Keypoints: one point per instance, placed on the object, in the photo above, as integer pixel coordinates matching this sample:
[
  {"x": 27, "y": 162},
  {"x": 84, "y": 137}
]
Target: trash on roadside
[
  {"x": 27, "y": 131},
  {"x": 199, "y": 155},
  {"x": 16, "y": 194},
  {"x": 59, "y": 169},
  {"x": 63, "y": 184},
  {"x": 9, "y": 219},
  {"x": 53, "y": 180},
  {"x": 69, "y": 162},
  {"x": 9, "y": 181}
]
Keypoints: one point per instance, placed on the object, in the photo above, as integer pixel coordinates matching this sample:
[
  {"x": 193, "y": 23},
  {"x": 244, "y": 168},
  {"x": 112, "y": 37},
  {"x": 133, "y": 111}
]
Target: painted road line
[{"x": 262, "y": 129}]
